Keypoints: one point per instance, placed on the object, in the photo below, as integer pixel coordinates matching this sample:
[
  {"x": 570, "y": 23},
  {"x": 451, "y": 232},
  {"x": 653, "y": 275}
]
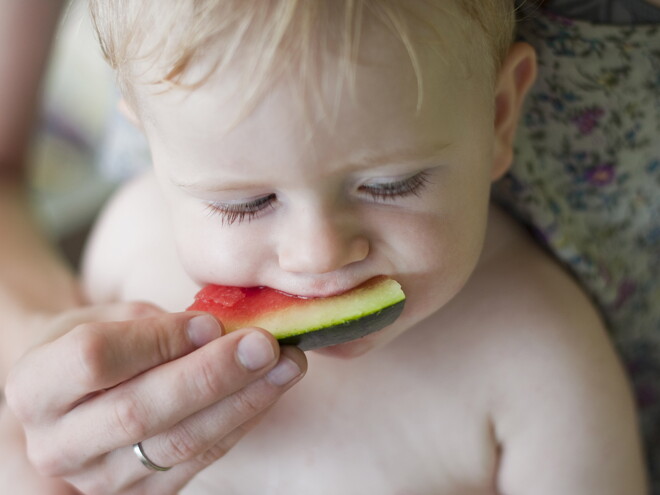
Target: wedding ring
[{"x": 139, "y": 452}]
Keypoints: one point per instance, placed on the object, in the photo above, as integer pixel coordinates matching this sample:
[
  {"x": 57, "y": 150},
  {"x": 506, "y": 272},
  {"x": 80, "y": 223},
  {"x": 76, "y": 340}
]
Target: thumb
[{"x": 106, "y": 353}]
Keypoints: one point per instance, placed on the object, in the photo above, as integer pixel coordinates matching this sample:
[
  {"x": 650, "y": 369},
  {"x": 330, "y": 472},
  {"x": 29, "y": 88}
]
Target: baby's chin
[
  {"x": 358, "y": 347},
  {"x": 348, "y": 350}
]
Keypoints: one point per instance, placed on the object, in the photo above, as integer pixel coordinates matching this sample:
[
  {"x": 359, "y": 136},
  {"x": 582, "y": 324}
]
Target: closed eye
[
  {"x": 396, "y": 189},
  {"x": 231, "y": 213},
  {"x": 236, "y": 213}
]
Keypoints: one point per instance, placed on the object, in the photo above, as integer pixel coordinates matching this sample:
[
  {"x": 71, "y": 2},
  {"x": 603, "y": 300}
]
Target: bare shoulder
[
  {"x": 118, "y": 236},
  {"x": 131, "y": 251},
  {"x": 560, "y": 403}
]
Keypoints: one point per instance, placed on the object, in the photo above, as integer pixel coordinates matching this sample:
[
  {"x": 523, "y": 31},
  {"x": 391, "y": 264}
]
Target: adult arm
[{"x": 34, "y": 280}]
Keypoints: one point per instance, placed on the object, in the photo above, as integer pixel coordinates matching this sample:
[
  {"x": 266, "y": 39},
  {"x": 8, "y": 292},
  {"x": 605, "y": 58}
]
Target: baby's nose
[{"x": 321, "y": 244}]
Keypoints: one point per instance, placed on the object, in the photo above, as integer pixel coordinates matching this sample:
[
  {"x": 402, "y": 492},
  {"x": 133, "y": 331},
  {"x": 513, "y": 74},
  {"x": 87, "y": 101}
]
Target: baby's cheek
[
  {"x": 442, "y": 257},
  {"x": 208, "y": 256}
]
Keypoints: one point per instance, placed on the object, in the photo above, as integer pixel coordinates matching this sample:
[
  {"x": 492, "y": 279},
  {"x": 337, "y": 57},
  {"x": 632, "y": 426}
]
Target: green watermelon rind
[
  {"x": 346, "y": 331},
  {"x": 336, "y": 319}
]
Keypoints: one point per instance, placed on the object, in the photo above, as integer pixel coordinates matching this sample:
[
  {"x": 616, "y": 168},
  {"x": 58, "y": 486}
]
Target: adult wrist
[{"x": 35, "y": 281}]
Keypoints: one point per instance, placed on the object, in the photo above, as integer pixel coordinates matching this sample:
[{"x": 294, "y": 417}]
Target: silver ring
[{"x": 137, "y": 448}]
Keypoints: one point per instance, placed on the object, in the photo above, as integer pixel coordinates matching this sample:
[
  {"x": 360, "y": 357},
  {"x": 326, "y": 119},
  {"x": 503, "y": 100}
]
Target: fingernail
[
  {"x": 285, "y": 371},
  {"x": 255, "y": 351},
  {"x": 203, "y": 329}
]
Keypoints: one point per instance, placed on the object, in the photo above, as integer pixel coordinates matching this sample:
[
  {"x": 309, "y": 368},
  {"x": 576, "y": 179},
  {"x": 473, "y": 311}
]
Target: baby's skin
[
  {"x": 512, "y": 388},
  {"x": 498, "y": 378}
]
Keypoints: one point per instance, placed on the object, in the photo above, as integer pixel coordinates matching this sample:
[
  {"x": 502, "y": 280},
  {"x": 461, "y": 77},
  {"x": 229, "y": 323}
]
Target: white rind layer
[{"x": 327, "y": 312}]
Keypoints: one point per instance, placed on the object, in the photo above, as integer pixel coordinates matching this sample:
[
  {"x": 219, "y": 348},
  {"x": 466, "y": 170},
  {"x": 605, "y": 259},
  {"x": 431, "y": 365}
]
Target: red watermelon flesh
[{"x": 307, "y": 322}]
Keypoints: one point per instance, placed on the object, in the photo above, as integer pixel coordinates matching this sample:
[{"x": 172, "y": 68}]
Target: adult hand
[
  {"x": 170, "y": 381},
  {"x": 15, "y": 468}
]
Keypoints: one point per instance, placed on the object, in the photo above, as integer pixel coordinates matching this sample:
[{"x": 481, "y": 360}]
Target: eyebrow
[
  {"x": 366, "y": 160},
  {"x": 405, "y": 155}
]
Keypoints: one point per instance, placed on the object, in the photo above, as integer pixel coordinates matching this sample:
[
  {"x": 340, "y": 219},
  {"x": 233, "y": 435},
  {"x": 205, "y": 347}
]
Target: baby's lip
[{"x": 328, "y": 291}]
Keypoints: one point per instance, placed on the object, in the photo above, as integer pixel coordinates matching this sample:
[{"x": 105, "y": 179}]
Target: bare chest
[{"x": 354, "y": 431}]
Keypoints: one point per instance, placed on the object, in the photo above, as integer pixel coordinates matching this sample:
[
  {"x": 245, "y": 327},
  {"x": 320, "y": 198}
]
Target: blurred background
[{"x": 68, "y": 185}]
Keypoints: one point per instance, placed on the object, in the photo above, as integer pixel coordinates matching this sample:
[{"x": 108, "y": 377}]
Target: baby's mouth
[
  {"x": 306, "y": 322},
  {"x": 328, "y": 291}
]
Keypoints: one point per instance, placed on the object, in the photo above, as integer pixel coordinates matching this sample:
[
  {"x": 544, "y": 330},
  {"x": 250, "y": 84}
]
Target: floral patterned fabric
[
  {"x": 586, "y": 178},
  {"x": 607, "y": 11}
]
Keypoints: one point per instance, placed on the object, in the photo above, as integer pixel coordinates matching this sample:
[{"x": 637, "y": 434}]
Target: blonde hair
[{"x": 283, "y": 35}]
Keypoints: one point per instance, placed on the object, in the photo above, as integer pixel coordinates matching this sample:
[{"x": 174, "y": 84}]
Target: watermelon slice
[{"x": 308, "y": 323}]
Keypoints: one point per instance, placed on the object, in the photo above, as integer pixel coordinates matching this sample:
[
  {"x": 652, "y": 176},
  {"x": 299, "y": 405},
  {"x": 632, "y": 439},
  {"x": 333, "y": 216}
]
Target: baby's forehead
[
  {"x": 382, "y": 110},
  {"x": 416, "y": 41},
  {"x": 383, "y": 77},
  {"x": 270, "y": 36}
]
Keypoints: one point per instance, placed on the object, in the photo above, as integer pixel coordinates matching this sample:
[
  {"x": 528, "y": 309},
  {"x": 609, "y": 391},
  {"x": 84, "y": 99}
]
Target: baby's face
[{"x": 286, "y": 199}]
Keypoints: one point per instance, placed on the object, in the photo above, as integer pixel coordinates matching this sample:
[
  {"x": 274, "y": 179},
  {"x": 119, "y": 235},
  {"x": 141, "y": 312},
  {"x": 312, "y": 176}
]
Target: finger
[
  {"x": 29, "y": 377},
  {"x": 158, "y": 399},
  {"x": 200, "y": 436},
  {"x": 206, "y": 436},
  {"x": 65, "y": 322},
  {"x": 122, "y": 472},
  {"x": 181, "y": 474},
  {"x": 15, "y": 468},
  {"x": 108, "y": 476},
  {"x": 96, "y": 356}
]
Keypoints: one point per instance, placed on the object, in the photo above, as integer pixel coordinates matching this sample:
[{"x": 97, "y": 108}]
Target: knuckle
[
  {"x": 47, "y": 462},
  {"x": 207, "y": 380},
  {"x": 89, "y": 346},
  {"x": 248, "y": 404},
  {"x": 164, "y": 346},
  {"x": 212, "y": 454},
  {"x": 180, "y": 443},
  {"x": 18, "y": 402},
  {"x": 164, "y": 337},
  {"x": 219, "y": 449},
  {"x": 137, "y": 310},
  {"x": 129, "y": 417}
]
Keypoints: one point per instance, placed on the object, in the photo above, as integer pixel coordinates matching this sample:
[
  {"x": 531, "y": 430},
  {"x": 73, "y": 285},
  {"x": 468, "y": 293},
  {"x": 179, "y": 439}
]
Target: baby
[{"x": 310, "y": 146}]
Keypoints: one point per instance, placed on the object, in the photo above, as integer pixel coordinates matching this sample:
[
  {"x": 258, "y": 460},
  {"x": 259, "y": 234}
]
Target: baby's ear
[
  {"x": 127, "y": 111},
  {"x": 514, "y": 80}
]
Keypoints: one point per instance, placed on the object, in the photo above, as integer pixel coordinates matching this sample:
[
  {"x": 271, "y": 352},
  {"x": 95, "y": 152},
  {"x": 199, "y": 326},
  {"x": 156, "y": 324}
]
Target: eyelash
[
  {"x": 393, "y": 190},
  {"x": 239, "y": 212},
  {"x": 388, "y": 191}
]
